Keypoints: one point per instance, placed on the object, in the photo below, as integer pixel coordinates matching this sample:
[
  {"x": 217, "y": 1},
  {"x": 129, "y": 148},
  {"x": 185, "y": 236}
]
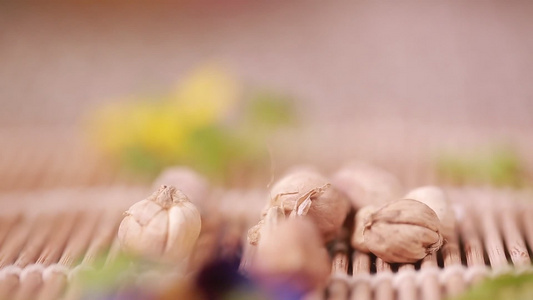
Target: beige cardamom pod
[
  {"x": 365, "y": 184},
  {"x": 403, "y": 231},
  {"x": 361, "y": 217},
  {"x": 190, "y": 182},
  {"x": 165, "y": 226},
  {"x": 290, "y": 254},
  {"x": 307, "y": 193},
  {"x": 435, "y": 198}
]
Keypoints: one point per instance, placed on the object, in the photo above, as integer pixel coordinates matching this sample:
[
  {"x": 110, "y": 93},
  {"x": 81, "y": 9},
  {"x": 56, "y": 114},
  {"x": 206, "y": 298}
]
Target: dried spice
[
  {"x": 361, "y": 217},
  {"x": 165, "y": 226},
  {"x": 365, "y": 184},
  {"x": 437, "y": 200},
  {"x": 307, "y": 193},
  {"x": 403, "y": 231},
  {"x": 190, "y": 182},
  {"x": 290, "y": 255}
]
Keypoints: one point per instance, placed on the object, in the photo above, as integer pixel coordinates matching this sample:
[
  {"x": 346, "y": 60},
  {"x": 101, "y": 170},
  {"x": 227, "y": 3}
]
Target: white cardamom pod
[
  {"x": 165, "y": 226},
  {"x": 290, "y": 254},
  {"x": 437, "y": 200},
  {"x": 365, "y": 184},
  {"x": 361, "y": 217},
  {"x": 190, "y": 182},
  {"x": 403, "y": 231},
  {"x": 307, "y": 193}
]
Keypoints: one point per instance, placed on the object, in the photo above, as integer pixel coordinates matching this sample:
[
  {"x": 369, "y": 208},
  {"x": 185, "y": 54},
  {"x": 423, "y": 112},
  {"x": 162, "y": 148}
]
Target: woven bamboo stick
[
  {"x": 472, "y": 235},
  {"x": 30, "y": 282},
  {"x": 17, "y": 238},
  {"x": 514, "y": 242},
  {"x": 338, "y": 287},
  {"x": 383, "y": 290},
  {"x": 451, "y": 256},
  {"x": 527, "y": 225},
  {"x": 36, "y": 241},
  {"x": 429, "y": 285},
  {"x": 406, "y": 283},
  {"x": 7, "y": 223},
  {"x": 101, "y": 241},
  {"x": 114, "y": 251},
  {"x": 472, "y": 245},
  {"x": 7, "y": 285},
  {"x": 102, "y": 238},
  {"x": 55, "y": 245},
  {"x": 79, "y": 239},
  {"x": 361, "y": 289},
  {"x": 52, "y": 286},
  {"x": 340, "y": 262},
  {"x": 31, "y": 278},
  {"x": 493, "y": 241}
]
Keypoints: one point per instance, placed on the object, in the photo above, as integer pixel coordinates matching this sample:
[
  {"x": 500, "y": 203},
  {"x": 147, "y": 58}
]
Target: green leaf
[
  {"x": 508, "y": 286},
  {"x": 137, "y": 159},
  {"x": 267, "y": 110},
  {"x": 499, "y": 166}
]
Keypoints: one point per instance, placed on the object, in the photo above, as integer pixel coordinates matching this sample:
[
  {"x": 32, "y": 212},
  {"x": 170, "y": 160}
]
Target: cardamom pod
[
  {"x": 361, "y": 217},
  {"x": 403, "y": 231},
  {"x": 165, "y": 226},
  {"x": 190, "y": 182},
  {"x": 290, "y": 255},
  {"x": 305, "y": 192},
  {"x": 365, "y": 184},
  {"x": 437, "y": 200}
]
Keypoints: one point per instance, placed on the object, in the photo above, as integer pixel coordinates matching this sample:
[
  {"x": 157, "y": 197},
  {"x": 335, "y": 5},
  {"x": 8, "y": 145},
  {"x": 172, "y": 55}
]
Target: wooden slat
[
  {"x": 53, "y": 287},
  {"x": 338, "y": 288},
  {"x": 56, "y": 244},
  {"x": 29, "y": 285},
  {"x": 12, "y": 247},
  {"x": 406, "y": 283},
  {"x": 38, "y": 237},
  {"x": 493, "y": 241},
  {"x": 383, "y": 289},
  {"x": 83, "y": 236},
  {"x": 451, "y": 255},
  {"x": 514, "y": 242},
  {"x": 526, "y": 217},
  {"x": 472, "y": 244},
  {"x": 429, "y": 285},
  {"x": 8, "y": 285},
  {"x": 103, "y": 236},
  {"x": 7, "y": 223},
  {"x": 361, "y": 271}
]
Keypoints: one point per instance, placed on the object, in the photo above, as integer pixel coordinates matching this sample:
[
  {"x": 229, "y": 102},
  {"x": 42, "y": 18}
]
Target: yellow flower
[
  {"x": 158, "y": 128},
  {"x": 207, "y": 95},
  {"x": 165, "y": 130}
]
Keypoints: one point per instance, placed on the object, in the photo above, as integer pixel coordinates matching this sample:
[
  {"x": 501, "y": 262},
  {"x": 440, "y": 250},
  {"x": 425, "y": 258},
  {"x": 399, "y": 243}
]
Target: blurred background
[{"x": 97, "y": 94}]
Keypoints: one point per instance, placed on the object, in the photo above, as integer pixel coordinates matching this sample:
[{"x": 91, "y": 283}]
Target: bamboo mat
[
  {"x": 50, "y": 158},
  {"x": 47, "y": 237}
]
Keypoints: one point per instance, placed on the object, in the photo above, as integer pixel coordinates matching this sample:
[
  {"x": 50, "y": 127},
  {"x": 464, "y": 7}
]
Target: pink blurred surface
[
  {"x": 368, "y": 75},
  {"x": 433, "y": 61}
]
